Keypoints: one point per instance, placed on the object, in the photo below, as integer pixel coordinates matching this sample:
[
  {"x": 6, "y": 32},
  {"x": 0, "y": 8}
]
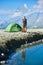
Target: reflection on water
[
  {"x": 30, "y": 56},
  {"x": 23, "y": 55}
]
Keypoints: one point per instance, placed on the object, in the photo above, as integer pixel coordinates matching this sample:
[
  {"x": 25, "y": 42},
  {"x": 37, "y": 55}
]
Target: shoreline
[{"x": 39, "y": 42}]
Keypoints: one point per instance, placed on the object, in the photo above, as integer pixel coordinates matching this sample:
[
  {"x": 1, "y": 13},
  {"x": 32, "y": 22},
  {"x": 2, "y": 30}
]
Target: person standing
[{"x": 24, "y": 24}]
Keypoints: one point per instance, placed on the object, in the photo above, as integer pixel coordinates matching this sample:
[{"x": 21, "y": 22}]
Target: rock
[{"x": 12, "y": 41}]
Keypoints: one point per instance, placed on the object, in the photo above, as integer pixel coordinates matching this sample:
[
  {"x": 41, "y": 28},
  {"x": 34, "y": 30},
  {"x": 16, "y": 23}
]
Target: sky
[
  {"x": 14, "y": 4},
  {"x": 14, "y": 10}
]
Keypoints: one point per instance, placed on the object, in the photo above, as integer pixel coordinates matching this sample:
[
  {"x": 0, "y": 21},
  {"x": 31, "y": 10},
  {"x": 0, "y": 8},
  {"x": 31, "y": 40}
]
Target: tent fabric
[{"x": 13, "y": 28}]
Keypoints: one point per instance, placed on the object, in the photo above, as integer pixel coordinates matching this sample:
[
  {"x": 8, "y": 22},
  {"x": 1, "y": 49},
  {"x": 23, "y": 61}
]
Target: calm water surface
[{"x": 30, "y": 56}]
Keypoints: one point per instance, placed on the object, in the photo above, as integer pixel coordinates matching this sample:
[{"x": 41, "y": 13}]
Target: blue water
[{"x": 32, "y": 56}]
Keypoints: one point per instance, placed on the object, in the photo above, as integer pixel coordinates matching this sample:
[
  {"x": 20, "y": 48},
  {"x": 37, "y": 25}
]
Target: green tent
[{"x": 13, "y": 28}]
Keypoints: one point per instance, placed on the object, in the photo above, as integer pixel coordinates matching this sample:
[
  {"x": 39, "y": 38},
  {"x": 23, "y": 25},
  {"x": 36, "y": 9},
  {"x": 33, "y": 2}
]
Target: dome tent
[{"x": 13, "y": 28}]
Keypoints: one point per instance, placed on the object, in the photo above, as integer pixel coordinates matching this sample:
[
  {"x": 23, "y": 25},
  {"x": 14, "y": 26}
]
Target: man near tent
[{"x": 24, "y": 24}]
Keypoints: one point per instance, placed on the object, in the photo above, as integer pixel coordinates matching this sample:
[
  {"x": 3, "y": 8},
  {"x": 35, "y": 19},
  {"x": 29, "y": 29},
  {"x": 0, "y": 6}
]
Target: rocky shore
[{"x": 10, "y": 41}]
